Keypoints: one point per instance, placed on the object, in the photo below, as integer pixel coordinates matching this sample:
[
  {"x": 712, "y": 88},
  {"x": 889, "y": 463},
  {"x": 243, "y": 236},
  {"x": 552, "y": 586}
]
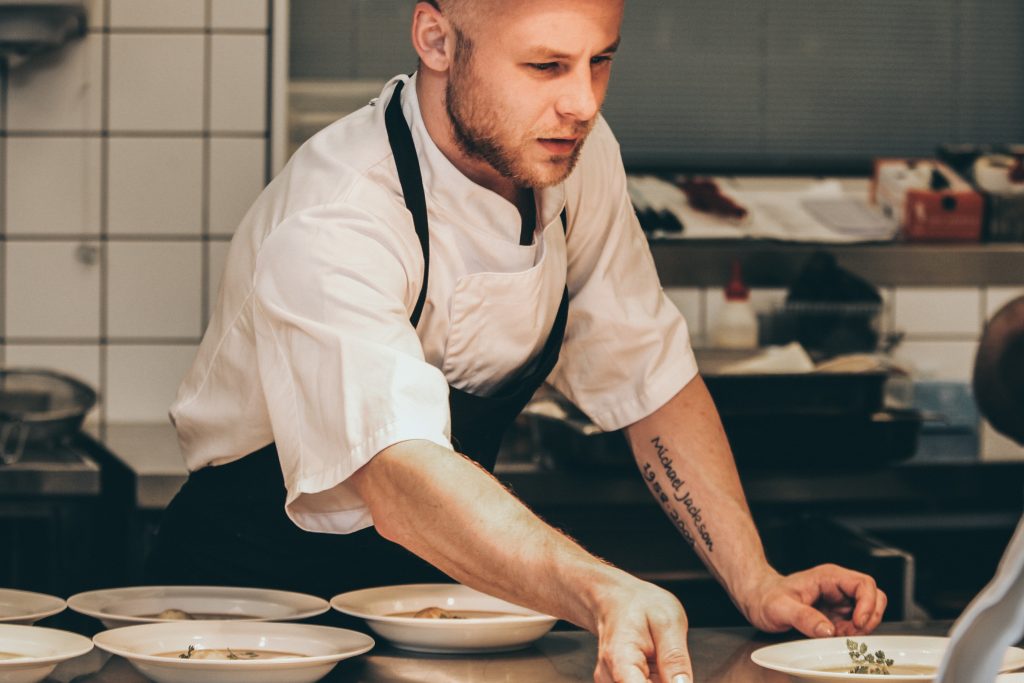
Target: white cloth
[
  {"x": 310, "y": 343},
  {"x": 990, "y": 624}
]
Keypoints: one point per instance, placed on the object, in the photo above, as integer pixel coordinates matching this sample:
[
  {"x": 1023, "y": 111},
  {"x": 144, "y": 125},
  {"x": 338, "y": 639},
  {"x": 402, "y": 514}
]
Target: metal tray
[
  {"x": 815, "y": 393},
  {"x": 809, "y": 393},
  {"x": 39, "y": 407},
  {"x": 770, "y": 441}
]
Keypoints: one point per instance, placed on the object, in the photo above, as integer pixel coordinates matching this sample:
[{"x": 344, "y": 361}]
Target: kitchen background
[{"x": 128, "y": 157}]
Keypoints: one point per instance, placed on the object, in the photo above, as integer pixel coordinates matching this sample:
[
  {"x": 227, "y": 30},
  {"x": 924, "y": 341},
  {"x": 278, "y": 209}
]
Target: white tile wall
[
  {"x": 250, "y": 14},
  {"x": 53, "y": 185},
  {"x": 145, "y": 141},
  {"x": 156, "y": 82},
  {"x": 236, "y": 178},
  {"x": 154, "y": 289},
  {"x": 690, "y": 302},
  {"x": 218, "y": 257},
  {"x": 143, "y": 380},
  {"x": 155, "y": 186},
  {"x": 50, "y": 293},
  {"x": 61, "y": 91},
  {"x": 934, "y": 311},
  {"x": 150, "y": 14},
  {"x": 238, "y": 83}
]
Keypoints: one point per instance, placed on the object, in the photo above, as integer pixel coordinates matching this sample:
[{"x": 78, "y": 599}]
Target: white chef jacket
[{"x": 310, "y": 344}]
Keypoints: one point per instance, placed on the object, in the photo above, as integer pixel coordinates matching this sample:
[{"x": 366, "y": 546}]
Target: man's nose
[{"x": 580, "y": 99}]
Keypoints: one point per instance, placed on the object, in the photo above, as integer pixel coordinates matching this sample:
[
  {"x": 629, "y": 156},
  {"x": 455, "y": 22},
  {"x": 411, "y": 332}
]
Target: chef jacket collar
[{"x": 458, "y": 196}]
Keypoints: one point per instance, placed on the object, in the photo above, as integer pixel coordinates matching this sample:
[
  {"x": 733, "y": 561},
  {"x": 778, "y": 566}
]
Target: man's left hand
[{"x": 823, "y": 601}]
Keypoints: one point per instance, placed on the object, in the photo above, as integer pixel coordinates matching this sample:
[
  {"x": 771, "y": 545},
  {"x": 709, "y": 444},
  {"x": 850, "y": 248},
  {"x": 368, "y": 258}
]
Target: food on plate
[
  {"x": 227, "y": 653},
  {"x": 174, "y": 614},
  {"x": 438, "y": 613},
  {"x": 9, "y": 655},
  {"x": 183, "y": 615},
  {"x": 875, "y": 663},
  {"x": 435, "y": 613}
]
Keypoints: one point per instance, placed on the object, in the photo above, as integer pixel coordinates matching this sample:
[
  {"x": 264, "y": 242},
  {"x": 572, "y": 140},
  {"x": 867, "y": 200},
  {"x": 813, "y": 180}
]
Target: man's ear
[{"x": 432, "y": 37}]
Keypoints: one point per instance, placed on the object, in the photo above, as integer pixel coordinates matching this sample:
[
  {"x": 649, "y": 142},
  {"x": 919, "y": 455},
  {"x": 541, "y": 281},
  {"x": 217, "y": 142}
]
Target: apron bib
[{"x": 227, "y": 525}]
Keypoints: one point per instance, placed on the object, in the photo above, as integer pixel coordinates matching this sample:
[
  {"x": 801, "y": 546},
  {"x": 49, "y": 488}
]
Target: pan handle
[{"x": 13, "y": 437}]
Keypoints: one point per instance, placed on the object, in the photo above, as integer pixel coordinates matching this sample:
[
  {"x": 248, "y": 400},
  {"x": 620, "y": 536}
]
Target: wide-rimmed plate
[
  {"x": 313, "y": 650},
  {"x": 383, "y": 609},
  {"x": 828, "y": 659},
  {"x": 25, "y": 607},
  {"x": 143, "y": 604},
  {"x": 39, "y": 650}
]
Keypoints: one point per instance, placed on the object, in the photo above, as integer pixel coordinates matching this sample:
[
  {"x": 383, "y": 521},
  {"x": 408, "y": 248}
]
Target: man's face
[{"x": 529, "y": 90}]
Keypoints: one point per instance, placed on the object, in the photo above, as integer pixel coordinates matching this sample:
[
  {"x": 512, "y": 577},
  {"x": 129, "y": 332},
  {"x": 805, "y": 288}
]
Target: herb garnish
[
  {"x": 187, "y": 654},
  {"x": 865, "y": 662}
]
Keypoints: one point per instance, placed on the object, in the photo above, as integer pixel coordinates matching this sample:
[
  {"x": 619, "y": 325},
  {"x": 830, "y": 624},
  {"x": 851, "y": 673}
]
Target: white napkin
[{"x": 992, "y": 622}]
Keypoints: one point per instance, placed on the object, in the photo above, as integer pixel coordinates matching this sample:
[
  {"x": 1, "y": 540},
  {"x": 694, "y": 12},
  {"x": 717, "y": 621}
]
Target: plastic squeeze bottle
[{"x": 735, "y": 326}]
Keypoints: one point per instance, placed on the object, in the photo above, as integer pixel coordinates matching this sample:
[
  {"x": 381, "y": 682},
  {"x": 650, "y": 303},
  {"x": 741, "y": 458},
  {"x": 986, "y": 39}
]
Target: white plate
[
  {"x": 140, "y": 605},
  {"x": 377, "y": 606},
  {"x": 805, "y": 659},
  {"x": 23, "y": 607},
  {"x": 42, "y": 649},
  {"x": 320, "y": 647}
]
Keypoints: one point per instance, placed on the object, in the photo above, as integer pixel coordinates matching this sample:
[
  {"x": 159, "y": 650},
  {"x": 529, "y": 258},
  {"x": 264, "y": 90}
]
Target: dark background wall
[{"x": 756, "y": 84}]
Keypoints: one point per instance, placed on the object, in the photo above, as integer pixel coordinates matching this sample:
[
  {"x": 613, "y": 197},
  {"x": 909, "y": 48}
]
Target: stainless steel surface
[
  {"x": 60, "y": 471},
  {"x": 683, "y": 263},
  {"x": 719, "y": 656}
]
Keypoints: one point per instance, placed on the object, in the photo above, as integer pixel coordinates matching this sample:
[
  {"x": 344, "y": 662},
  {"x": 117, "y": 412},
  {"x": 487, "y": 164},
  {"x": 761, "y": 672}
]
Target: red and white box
[{"x": 931, "y": 202}]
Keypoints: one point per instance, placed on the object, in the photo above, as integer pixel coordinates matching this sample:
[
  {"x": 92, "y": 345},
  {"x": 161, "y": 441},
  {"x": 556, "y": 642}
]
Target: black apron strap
[{"x": 404, "y": 151}]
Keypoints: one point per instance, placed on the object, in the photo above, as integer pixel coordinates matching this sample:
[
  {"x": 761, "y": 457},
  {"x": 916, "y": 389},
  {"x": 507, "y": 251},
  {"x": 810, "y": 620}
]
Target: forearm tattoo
[{"x": 670, "y": 490}]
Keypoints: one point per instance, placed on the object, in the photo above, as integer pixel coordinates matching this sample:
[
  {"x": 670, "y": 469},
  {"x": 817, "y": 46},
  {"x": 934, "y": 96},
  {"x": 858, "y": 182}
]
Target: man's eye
[
  {"x": 603, "y": 59},
  {"x": 545, "y": 66}
]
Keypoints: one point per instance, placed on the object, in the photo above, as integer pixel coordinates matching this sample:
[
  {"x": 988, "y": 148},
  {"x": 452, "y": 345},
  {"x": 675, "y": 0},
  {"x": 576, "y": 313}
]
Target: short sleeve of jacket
[
  {"x": 341, "y": 366},
  {"x": 627, "y": 349}
]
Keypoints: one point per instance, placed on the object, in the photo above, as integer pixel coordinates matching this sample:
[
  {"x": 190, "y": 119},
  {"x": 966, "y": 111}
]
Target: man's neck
[{"x": 430, "y": 90}]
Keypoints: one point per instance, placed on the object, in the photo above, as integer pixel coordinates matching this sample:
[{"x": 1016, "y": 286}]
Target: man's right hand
[{"x": 641, "y": 632}]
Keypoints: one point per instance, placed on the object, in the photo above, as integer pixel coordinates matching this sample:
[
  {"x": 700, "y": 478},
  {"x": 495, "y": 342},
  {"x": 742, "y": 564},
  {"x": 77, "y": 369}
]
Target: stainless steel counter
[
  {"x": 57, "y": 471},
  {"x": 719, "y": 656}
]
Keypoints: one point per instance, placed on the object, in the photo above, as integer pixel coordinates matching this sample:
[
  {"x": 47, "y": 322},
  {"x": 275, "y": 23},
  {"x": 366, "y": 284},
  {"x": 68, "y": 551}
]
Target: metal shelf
[{"x": 700, "y": 263}]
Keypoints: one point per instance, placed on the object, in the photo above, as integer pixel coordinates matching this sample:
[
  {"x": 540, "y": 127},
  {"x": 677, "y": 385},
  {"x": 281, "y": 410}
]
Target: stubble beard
[{"x": 477, "y": 129}]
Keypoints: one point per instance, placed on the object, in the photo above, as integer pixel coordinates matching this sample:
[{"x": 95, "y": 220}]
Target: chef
[{"x": 393, "y": 299}]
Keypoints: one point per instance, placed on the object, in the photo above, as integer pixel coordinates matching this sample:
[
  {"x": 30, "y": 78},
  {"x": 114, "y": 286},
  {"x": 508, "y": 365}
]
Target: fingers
[
  {"x": 621, "y": 660},
  {"x": 675, "y": 662},
  {"x": 808, "y": 620},
  {"x": 651, "y": 647},
  {"x": 881, "y": 602}
]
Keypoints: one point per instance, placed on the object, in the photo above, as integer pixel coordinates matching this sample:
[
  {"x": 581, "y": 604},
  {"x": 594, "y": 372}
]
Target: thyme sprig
[
  {"x": 864, "y": 662},
  {"x": 188, "y": 653}
]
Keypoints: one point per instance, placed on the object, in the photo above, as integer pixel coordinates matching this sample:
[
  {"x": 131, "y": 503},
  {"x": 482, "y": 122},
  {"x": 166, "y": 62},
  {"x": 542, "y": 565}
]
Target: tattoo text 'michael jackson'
[{"x": 673, "y": 492}]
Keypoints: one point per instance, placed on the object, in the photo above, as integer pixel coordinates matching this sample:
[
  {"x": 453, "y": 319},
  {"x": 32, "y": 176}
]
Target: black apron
[{"x": 227, "y": 525}]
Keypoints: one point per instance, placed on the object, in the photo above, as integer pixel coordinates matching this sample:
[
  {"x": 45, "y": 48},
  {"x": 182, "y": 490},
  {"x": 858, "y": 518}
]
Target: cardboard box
[{"x": 931, "y": 202}]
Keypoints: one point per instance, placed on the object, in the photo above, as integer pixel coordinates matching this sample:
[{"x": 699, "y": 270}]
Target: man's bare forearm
[
  {"x": 447, "y": 510},
  {"x": 685, "y": 460}
]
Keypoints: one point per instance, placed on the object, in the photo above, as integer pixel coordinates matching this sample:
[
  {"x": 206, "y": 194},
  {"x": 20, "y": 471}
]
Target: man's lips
[{"x": 559, "y": 146}]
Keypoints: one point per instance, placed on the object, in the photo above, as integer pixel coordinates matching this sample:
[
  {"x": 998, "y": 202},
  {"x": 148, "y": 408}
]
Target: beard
[{"x": 483, "y": 132}]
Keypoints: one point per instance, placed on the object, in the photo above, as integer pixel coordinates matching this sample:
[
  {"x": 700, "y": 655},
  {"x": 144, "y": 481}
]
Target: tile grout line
[
  {"x": 104, "y": 359},
  {"x": 3, "y": 207},
  {"x": 204, "y": 227}
]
